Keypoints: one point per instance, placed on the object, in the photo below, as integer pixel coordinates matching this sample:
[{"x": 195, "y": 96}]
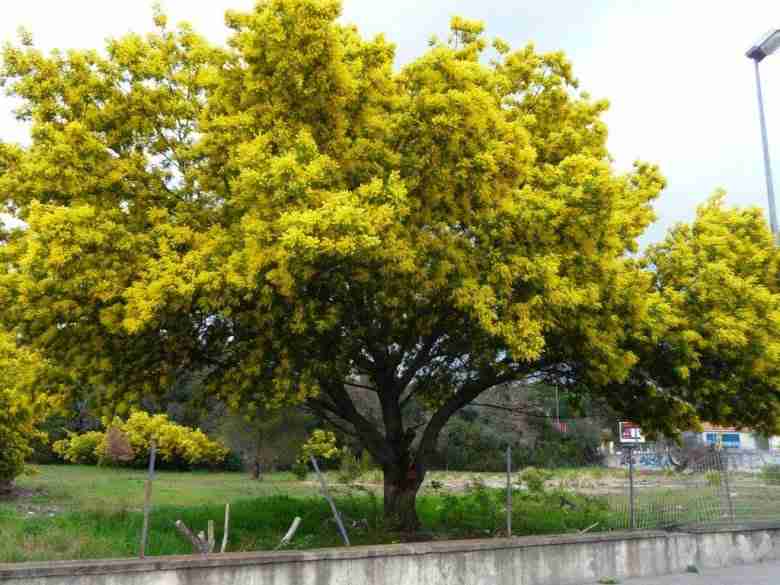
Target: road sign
[{"x": 630, "y": 433}]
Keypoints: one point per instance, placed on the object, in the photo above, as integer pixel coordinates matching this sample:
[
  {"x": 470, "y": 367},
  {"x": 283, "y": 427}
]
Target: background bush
[
  {"x": 83, "y": 449},
  {"x": 771, "y": 474},
  {"x": 178, "y": 447}
]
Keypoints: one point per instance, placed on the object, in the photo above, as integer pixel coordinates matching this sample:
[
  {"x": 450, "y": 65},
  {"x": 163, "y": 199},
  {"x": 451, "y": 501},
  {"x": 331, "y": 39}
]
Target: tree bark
[{"x": 401, "y": 487}]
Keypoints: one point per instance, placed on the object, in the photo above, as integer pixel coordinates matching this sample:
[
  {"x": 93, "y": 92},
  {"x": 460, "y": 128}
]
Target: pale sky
[{"x": 682, "y": 91}]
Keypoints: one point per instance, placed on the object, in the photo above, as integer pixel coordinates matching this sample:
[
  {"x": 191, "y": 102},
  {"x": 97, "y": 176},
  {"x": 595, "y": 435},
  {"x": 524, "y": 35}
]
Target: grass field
[{"x": 73, "y": 512}]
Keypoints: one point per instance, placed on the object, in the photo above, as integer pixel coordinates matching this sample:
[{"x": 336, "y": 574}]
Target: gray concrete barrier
[{"x": 553, "y": 560}]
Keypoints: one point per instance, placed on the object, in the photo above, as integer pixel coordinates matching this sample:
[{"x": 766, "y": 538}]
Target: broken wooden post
[
  {"x": 290, "y": 533},
  {"x": 198, "y": 544},
  {"x": 211, "y": 540},
  {"x": 326, "y": 495},
  {"x": 225, "y": 533},
  {"x": 148, "y": 499}
]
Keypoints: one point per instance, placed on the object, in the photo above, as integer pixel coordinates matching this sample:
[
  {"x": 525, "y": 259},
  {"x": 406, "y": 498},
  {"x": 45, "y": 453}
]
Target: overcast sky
[{"x": 681, "y": 89}]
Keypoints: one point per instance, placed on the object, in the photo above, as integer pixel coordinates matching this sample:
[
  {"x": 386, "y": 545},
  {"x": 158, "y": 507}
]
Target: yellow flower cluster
[
  {"x": 83, "y": 448},
  {"x": 321, "y": 444}
]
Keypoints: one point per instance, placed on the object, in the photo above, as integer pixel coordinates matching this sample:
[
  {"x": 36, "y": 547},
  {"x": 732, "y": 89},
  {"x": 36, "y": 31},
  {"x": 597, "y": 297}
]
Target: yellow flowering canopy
[
  {"x": 291, "y": 213},
  {"x": 717, "y": 351},
  {"x": 20, "y": 407}
]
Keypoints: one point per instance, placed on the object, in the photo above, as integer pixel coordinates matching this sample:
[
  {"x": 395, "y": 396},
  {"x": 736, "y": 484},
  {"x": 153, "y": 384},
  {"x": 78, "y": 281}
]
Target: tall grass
[{"x": 259, "y": 524}]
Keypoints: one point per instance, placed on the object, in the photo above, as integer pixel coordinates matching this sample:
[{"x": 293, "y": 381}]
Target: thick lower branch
[{"x": 463, "y": 397}]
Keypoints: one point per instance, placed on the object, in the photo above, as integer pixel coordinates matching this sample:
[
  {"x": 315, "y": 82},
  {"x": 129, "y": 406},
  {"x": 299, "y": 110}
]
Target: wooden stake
[
  {"x": 211, "y": 540},
  {"x": 225, "y": 533},
  {"x": 326, "y": 495},
  {"x": 290, "y": 533},
  {"x": 198, "y": 545},
  {"x": 148, "y": 500}
]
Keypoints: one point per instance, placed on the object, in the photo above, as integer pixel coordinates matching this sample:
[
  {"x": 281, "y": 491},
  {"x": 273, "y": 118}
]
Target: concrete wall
[{"x": 558, "y": 560}]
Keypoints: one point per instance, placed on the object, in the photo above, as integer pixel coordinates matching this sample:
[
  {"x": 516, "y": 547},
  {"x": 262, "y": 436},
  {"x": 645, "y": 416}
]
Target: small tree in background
[{"x": 268, "y": 441}]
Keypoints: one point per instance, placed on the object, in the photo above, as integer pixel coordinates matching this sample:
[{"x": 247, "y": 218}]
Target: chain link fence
[
  {"x": 652, "y": 487},
  {"x": 707, "y": 487}
]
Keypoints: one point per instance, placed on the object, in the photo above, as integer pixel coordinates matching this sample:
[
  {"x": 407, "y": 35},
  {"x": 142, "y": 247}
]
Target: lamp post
[{"x": 767, "y": 45}]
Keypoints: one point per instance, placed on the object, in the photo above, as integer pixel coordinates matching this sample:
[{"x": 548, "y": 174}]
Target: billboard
[{"x": 630, "y": 433}]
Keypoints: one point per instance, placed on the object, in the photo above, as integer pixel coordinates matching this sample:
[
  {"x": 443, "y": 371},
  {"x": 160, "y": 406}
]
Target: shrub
[
  {"x": 534, "y": 479},
  {"x": 771, "y": 474},
  {"x": 16, "y": 430},
  {"x": 82, "y": 448},
  {"x": 129, "y": 442},
  {"x": 21, "y": 410},
  {"x": 349, "y": 468},
  {"x": 300, "y": 469},
  {"x": 322, "y": 445},
  {"x": 176, "y": 444},
  {"x": 366, "y": 463}
]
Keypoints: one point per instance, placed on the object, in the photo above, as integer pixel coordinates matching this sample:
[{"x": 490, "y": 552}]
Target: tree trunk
[
  {"x": 256, "y": 470},
  {"x": 401, "y": 487}
]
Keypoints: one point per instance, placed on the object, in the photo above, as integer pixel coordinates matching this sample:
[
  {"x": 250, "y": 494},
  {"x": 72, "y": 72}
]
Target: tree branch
[
  {"x": 457, "y": 401},
  {"x": 353, "y": 384},
  {"x": 345, "y": 409}
]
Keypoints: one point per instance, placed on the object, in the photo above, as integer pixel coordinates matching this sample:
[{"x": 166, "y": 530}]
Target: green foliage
[
  {"x": 367, "y": 464},
  {"x": 716, "y": 354},
  {"x": 177, "y": 446},
  {"x": 478, "y": 443},
  {"x": 771, "y": 474},
  {"x": 713, "y": 478},
  {"x": 557, "y": 511},
  {"x": 266, "y": 441},
  {"x": 350, "y": 468},
  {"x": 321, "y": 445},
  {"x": 82, "y": 449},
  {"x": 458, "y": 194},
  {"x": 535, "y": 479},
  {"x": 300, "y": 469},
  {"x": 21, "y": 407},
  {"x": 15, "y": 444},
  {"x": 295, "y": 208}
]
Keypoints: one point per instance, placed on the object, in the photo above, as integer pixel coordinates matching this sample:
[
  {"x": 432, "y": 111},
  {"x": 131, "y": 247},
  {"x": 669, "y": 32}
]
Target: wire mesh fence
[
  {"x": 649, "y": 489},
  {"x": 716, "y": 486}
]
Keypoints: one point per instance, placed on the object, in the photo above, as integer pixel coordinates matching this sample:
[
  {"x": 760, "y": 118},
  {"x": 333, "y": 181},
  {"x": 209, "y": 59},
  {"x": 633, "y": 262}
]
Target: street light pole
[
  {"x": 770, "y": 190},
  {"x": 768, "y": 44}
]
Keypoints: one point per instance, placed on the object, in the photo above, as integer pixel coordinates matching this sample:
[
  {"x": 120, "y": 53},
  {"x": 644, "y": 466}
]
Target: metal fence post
[
  {"x": 723, "y": 468},
  {"x": 327, "y": 496},
  {"x": 148, "y": 500},
  {"x": 631, "y": 510},
  {"x": 509, "y": 491}
]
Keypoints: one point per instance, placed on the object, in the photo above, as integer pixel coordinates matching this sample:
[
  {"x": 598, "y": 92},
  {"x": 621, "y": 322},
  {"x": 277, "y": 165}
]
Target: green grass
[
  {"x": 82, "y": 487},
  {"x": 76, "y": 512},
  {"x": 80, "y": 512}
]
